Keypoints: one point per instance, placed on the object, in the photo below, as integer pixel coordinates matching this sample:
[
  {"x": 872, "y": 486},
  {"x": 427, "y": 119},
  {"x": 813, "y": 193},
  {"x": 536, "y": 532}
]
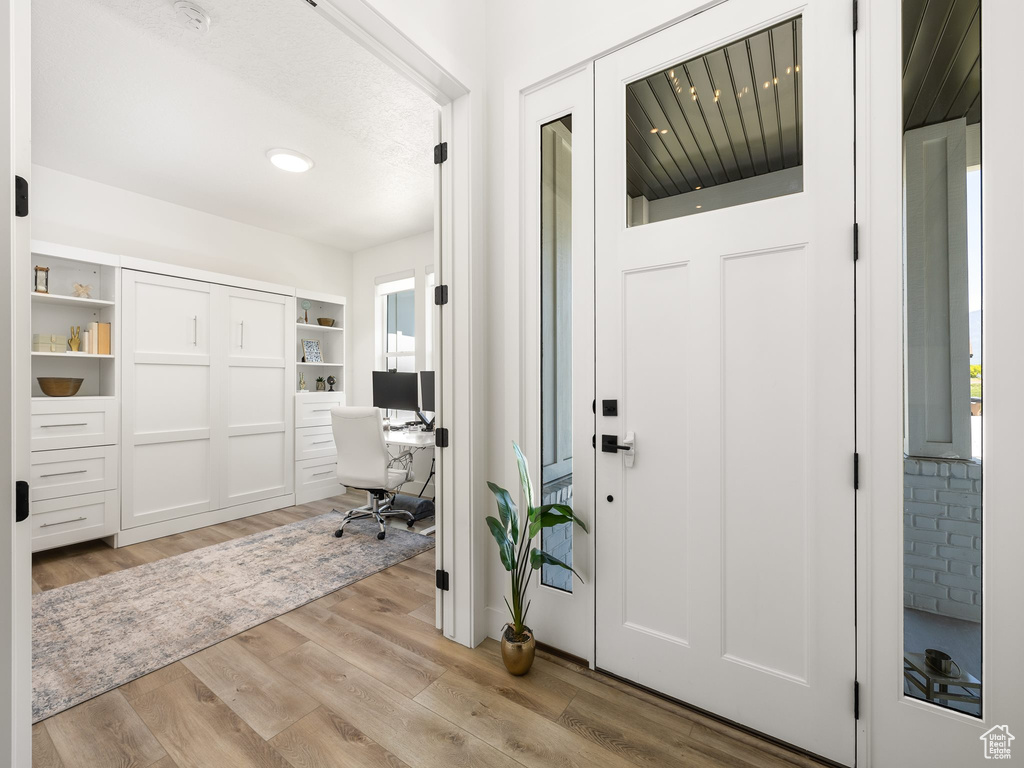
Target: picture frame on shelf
[{"x": 311, "y": 351}]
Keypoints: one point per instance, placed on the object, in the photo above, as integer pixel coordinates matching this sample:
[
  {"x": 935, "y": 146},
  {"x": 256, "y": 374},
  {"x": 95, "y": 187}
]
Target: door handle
[
  {"x": 611, "y": 444},
  {"x": 241, "y": 340},
  {"x": 195, "y": 331}
]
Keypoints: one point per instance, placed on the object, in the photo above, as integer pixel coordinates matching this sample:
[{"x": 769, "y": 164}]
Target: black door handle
[{"x": 610, "y": 444}]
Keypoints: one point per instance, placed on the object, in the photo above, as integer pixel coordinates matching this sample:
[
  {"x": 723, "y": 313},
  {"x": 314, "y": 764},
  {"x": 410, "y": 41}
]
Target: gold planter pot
[{"x": 518, "y": 656}]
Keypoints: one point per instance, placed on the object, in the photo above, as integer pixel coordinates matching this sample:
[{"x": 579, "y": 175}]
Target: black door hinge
[
  {"x": 440, "y": 295},
  {"x": 20, "y": 501},
  {"x": 311, "y": 2},
  {"x": 441, "y": 580},
  {"x": 856, "y": 700},
  {"x": 856, "y": 241},
  {"x": 440, "y": 152},
  {"x": 855, "y": 16},
  {"x": 856, "y": 471},
  {"x": 20, "y": 197},
  {"x": 441, "y": 437}
]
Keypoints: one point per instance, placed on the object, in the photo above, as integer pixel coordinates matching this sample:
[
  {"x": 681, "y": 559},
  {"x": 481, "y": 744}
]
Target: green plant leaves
[
  {"x": 539, "y": 558},
  {"x": 506, "y": 549},
  {"x": 524, "y": 476},
  {"x": 550, "y": 515},
  {"x": 508, "y": 511}
]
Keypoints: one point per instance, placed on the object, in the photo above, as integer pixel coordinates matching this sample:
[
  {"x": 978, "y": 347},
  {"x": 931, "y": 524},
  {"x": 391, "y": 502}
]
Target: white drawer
[
  {"x": 314, "y": 443},
  {"x": 56, "y": 522},
  {"x": 317, "y": 473},
  {"x": 314, "y": 410},
  {"x": 73, "y": 471},
  {"x": 73, "y": 423}
]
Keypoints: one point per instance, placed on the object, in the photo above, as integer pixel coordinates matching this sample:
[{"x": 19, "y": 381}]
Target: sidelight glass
[
  {"x": 943, "y": 355},
  {"x": 556, "y": 340},
  {"x": 722, "y": 129}
]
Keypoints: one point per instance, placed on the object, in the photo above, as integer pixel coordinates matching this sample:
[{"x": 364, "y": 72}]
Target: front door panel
[{"x": 724, "y": 289}]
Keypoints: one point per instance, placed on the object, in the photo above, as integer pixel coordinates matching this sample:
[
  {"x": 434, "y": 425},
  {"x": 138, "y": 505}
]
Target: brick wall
[
  {"x": 942, "y": 537},
  {"x": 557, "y": 541}
]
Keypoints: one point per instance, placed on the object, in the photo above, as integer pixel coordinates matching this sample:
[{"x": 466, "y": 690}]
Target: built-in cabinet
[{"x": 207, "y": 417}]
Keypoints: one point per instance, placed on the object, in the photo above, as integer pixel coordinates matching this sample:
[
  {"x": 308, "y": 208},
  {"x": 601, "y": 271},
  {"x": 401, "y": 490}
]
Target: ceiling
[
  {"x": 728, "y": 115},
  {"x": 123, "y": 94},
  {"x": 941, "y": 61}
]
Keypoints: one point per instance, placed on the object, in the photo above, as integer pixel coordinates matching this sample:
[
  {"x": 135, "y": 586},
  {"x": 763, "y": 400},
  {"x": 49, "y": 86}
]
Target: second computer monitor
[
  {"x": 427, "y": 391},
  {"x": 395, "y": 391}
]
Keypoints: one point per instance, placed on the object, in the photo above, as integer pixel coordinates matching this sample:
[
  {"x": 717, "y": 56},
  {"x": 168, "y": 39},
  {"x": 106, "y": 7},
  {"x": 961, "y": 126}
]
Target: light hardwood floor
[{"x": 362, "y": 678}]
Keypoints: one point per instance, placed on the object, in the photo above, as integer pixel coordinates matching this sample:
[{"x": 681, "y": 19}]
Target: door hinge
[
  {"x": 856, "y": 700},
  {"x": 311, "y": 2},
  {"x": 856, "y": 471},
  {"x": 20, "y": 197},
  {"x": 856, "y": 241},
  {"x": 441, "y": 580},
  {"x": 855, "y": 16},
  {"x": 20, "y": 501},
  {"x": 441, "y": 437},
  {"x": 440, "y": 152},
  {"x": 441, "y": 295}
]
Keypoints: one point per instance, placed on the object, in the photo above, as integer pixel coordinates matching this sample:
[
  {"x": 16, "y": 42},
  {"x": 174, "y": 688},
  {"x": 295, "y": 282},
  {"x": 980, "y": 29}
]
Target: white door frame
[
  {"x": 895, "y": 729},
  {"x": 565, "y": 619},
  {"x": 15, "y": 539}
]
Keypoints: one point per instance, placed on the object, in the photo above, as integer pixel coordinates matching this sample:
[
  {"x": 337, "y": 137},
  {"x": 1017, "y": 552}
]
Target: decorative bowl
[
  {"x": 58, "y": 386},
  {"x": 328, "y": 321}
]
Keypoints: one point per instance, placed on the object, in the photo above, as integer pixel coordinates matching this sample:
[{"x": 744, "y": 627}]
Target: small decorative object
[
  {"x": 311, "y": 351},
  {"x": 320, "y": 384},
  {"x": 82, "y": 291},
  {"x": 302, "y": 382},
  {"x": 305, "y": 310},
  {"x": 76, "y": 338},
  {"x": 56, "y": 386},
  {"x": 326, "y": 321},
  {"x": 514, "y": 547},
  {"x": 331, "y": 381},
  {"x": 42, "y": 280},
  {"x": 85, "y": 342},
  {"x": 49, "y": 342}
]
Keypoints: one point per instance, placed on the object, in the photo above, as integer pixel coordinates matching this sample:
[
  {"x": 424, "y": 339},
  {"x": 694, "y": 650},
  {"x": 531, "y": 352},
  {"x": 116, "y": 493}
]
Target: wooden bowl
[
  {"x": 57, "y": 386},
  {"x": 328, "y": 321}
]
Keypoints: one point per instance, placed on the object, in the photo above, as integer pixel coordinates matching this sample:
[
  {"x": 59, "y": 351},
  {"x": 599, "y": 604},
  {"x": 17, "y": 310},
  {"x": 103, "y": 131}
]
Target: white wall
[
  {"x": 411, "y": 255},
  {"x": 76, "y": 211}
]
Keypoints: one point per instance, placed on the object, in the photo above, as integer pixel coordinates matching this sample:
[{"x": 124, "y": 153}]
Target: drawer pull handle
[
  {"x": 321, "y": 442},
  {"x": 328, "y": 472},
  {"x": 64, "y": 522},
  {"x": 71, "y": 472},
  {"x": 320, "y": 410},
  {"x": 52, "y": 426}
]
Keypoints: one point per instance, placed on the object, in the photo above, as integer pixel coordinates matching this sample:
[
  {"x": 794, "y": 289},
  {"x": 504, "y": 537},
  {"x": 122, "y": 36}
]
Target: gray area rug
[{"x": 90, "y": 637}]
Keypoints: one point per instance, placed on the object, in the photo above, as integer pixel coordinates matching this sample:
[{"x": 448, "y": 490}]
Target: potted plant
[
  {"x": 320, "y": 385},
  {"x": 520, "y": 558}
]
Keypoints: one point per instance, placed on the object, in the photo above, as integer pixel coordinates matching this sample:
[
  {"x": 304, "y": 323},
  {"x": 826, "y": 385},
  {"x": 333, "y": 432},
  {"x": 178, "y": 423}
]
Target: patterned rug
[{"x": 90, "y": 637}]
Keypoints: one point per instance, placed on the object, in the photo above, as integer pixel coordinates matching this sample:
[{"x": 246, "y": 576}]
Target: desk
[{"x": 413, "y": 440}]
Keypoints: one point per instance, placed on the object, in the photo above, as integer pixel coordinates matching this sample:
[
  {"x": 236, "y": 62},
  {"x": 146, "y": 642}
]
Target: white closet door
[
  {"x": 167, "y": 425},
  {"x": 254, "y": 396}
]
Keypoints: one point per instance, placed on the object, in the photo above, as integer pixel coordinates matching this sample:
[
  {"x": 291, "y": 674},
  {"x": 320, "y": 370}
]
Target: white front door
[
  {"x": 255, "y": 397},
  {"x": 724, "y": 334},
  {"x": 168, "y": 402}
]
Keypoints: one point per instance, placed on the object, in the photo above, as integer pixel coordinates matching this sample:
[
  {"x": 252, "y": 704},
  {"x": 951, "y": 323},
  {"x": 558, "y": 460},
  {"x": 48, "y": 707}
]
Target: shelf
[
  {"x": 41, "y": 398},
  {"x": 313, "y": 327},
  {"x": 69, "y": 301},
  {"x": 67, "y": 356},
  {"x": 318, "y": 365}
]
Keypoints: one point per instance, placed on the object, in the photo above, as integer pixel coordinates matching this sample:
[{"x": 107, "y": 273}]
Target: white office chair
[{"x": 365, "y": 464}]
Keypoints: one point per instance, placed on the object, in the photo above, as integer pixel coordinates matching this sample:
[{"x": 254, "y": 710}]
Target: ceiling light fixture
[
  {"x": 192, "y": 17},
  {"x": 289, "y": 160}
]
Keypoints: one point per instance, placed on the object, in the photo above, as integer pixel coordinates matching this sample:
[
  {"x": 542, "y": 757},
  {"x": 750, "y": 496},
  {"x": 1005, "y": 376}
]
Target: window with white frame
[{"x": 396, "y": 330}]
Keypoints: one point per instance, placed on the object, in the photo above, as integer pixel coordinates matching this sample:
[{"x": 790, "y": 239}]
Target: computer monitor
[
  {"x": 395, "y": 391},
  {"x": 427, "y": 391}
]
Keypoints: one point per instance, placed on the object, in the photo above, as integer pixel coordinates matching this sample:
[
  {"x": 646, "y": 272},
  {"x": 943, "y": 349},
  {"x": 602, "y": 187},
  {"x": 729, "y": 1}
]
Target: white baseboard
[{"x": 192, "y": 522}]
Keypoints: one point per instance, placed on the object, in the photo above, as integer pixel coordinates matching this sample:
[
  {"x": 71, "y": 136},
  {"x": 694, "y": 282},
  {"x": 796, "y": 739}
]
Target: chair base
[{"x": 379, "y": 509}]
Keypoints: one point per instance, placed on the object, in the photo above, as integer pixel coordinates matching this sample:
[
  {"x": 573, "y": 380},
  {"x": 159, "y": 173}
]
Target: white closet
[{"x": 206, "y": 408}]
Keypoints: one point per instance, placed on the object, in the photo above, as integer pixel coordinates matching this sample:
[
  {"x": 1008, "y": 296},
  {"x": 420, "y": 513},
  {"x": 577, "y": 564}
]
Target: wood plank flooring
[{"x": 361, "y": 679}]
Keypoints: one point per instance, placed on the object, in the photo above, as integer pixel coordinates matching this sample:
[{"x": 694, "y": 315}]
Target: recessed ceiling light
[{"x": 289, "y": 160}]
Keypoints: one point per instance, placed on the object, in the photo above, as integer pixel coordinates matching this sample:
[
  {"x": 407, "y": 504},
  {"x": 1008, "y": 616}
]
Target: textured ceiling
[
  {"x": 124, "y": 95},
  {"x": 941, "y": 61},
  {"x": 728, "y": 115}
]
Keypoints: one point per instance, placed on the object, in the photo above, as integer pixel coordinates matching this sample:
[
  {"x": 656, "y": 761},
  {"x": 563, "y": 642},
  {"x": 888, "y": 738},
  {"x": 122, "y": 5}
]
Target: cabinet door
[
  {"x": 255, "y": 398},
  {"x": 167, "y": 426}
]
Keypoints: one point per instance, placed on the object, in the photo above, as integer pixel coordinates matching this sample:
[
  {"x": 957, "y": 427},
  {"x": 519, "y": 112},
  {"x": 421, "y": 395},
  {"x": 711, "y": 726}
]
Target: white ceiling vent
[{"x": 192, "y": 17}]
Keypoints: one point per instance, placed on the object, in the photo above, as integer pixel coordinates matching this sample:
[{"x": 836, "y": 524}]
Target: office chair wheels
[
  {"x": 410, "y": 524},
  {"x": 338, "y": 533},
  {"x": 381, "y": 535}
]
